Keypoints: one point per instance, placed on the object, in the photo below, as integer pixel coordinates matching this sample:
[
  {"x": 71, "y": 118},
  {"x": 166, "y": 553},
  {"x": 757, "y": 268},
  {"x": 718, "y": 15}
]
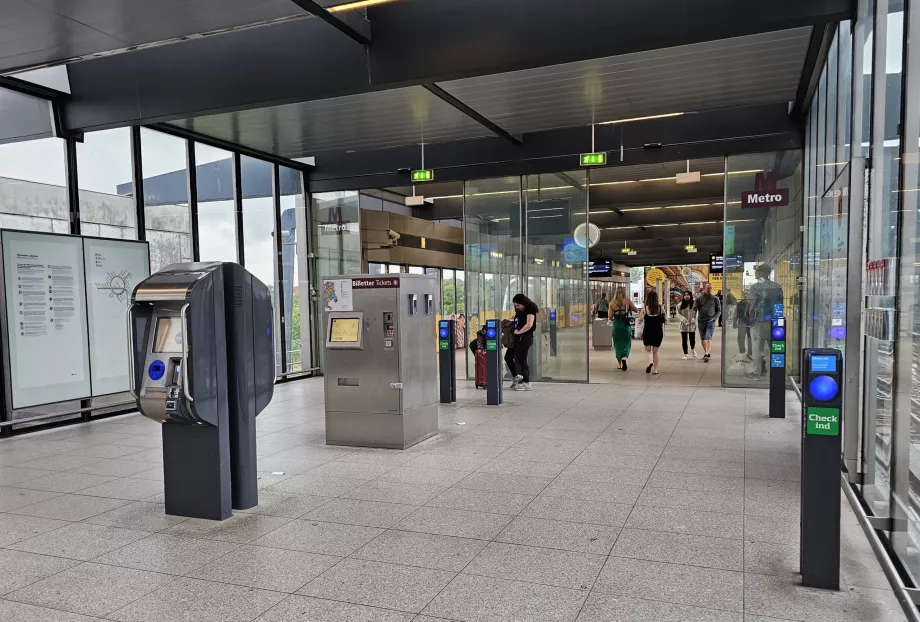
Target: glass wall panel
[
  {"x": 830, "y": 154},
  {"x": 844, "y": 94},
  {"x": 217, "y": 239},
  {"x": 555, "y": 269},
  {"x": 907, "y": 400},
  {"x": 882, "y": 249},
  {"x": 336, "y": 221},
  {"x": 765, "y": 267},
  {"x": 492, "y": 240},
  {"x": 295, "y": 279},
  {"x": 105, "y": 181},
  {"x": 164, "y": 162},
  {"x": 33, "y": 186}
]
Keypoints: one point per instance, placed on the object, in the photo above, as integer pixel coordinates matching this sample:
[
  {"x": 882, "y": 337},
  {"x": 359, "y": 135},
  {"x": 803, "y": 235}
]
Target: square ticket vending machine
[{"x": 381, "y": 377}]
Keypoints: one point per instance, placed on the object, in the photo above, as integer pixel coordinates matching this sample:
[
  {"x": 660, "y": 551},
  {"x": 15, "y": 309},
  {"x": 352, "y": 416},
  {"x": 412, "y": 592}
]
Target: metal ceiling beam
[
  {"x": 819, "y": 44},
  {"x": 440, "y": 93},
  {"x": 351, "y": 23},
  {"x": 415, "y": 43}
]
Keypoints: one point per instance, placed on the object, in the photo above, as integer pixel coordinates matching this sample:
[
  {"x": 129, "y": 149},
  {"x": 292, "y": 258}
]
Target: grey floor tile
[
  {"x": 21, "y": 612},
  {"x": 15, "y": 476},
  {"x": 19, "y": 569},
  {"x": 117, "y": 467},
  {"x": 736, "y": 456},
  {"x": 14, "y": 498},
  {"x": 728, "y": 502},
  {"x": 306, "y": 609},
  {"x": 678, "y": 548},
  {"x": 602, "y": 456},
  {"x": 359, "y": 512},
  {"x": 319, "y": 537},
  {"x": 15, "y": 528},
  {"x": 770, "y": 558},
  {"x": 421, "y": 549},
  {"x": 65, "y": 482},
  {"x": 126, "y": 488},
  {"x": 460, "y": 523},
  {"x": 351, "y": 470},
  {"x": 80, "y": 541},
  {"x": 485, "y": 599},
  {"x": 91, "y": 589},
  {"x": 582, "y": 537},
  {"x": 288, "y": 506},
  {"x": 557, "y": 455},
  {"x": 691, "y": 481},
  {"x": 634, "y": 477},
  {"x": 70, "y": 507},
  {"x": 694, "y": 522},
  {"x": 451, "y": 462},
  {"x": 504, "y": 482},
  {"x": 240, "y": 528},
  {"x": 785, "y": 598},
  {"x": 423, "y": 475},
  {"x": 527, "y": 469},
  {"x": 167, "y": 554},
  {"x": 789, "y": 472},
  {"x": 783, "y": 530},
  {"x": 481, "y": 500},
  {"x": 682, "y": 465},
  {"x": 201, "y": 601},
  {"x": 58, "y": 462},
  {"x": 567, "y": 569},
  {"x": 673, "y": 583},
  {"x": 578, "y": 510},
  {"x": 590, "y": 490},
  {"x": 139, "y": 515},
  {"x": 395, "y": 492},
  {"x": 858, "y": 565},
  {"x": 265, "y": 568},
  {"x": 376, "y": 584},
  {"x": 611, "y": 608},
  {"x": 314, "y": 485}
]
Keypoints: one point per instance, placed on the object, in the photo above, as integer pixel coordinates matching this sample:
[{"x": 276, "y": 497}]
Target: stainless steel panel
[{"x": 418, "y": 344}]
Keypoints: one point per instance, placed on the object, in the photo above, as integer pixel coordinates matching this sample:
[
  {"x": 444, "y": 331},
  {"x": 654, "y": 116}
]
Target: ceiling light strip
[
  {"x": 355, "y": 5},
  {"x": 648, "y": 118}
]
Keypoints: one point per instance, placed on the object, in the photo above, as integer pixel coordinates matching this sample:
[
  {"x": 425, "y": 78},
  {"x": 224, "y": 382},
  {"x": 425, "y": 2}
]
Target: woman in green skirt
[{"x": 621, "y": 310}]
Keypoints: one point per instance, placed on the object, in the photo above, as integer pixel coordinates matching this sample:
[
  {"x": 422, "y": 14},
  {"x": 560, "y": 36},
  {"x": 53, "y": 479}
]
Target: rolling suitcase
[{"x": 481, "y": 368}]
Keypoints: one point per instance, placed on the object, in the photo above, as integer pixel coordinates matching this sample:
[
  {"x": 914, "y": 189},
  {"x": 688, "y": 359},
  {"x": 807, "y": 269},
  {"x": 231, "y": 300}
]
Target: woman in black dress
[{"x": 653, "y": 330}]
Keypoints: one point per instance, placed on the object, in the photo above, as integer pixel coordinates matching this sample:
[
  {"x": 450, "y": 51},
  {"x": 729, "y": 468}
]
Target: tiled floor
[{"x": 643, "y": 499}]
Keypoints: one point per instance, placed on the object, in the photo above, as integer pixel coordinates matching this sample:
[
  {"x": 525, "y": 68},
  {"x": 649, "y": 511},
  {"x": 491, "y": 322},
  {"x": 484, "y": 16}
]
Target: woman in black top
[
  {"x": 653, "y": 330},
  {"x": 525, "y": 323}
]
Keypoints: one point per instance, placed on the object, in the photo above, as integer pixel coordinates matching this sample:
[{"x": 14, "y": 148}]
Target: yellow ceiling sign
[{"x": 654, "y": 275}]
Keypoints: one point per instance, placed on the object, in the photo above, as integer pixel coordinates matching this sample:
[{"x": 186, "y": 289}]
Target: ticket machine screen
[
  {"x": 168, "y": 337},
  {"x": 344, "y": 330}
]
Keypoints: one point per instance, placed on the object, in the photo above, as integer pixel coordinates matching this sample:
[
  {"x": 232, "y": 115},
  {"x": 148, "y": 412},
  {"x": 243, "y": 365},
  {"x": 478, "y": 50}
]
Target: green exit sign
[
  {"x": 823, "y": 421},
  {"x": 594, "y": 159},
  {"x": 425, "y": 174}
]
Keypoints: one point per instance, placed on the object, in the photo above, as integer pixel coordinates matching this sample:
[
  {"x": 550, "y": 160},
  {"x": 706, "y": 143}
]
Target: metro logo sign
[{"x": 765, "y": 193}]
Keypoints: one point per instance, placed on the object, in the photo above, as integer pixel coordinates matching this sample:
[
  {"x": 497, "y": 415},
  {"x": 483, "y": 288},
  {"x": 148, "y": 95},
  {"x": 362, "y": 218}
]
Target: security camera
[{"x": 393, "y": 235}]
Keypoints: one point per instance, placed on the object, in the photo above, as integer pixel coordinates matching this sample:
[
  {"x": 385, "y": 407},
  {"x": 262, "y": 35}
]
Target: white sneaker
[
  {"x": 694, "y": 354},
  {"x": 524, "y": 386},
  {"x": 517, "y": 380},
  {"x": 685, "y": 357}
]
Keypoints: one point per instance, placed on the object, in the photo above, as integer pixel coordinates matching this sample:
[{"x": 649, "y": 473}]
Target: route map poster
[
  {"x": 113, "y": 269},
  {"x": 46, "y": 317},
  {"x": 337, "y": 295}
]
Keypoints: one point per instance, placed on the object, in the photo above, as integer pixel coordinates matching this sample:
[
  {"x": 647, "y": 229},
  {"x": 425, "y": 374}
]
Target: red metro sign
[{"x": 765, "y": 193}]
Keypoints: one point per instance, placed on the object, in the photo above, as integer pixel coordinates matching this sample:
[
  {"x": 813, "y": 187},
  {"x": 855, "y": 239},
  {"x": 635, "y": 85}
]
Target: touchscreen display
[
  {"x": 823, "y": 363},
  {"x": 168, "y": 337},
  {"x": 344, "y": 330}
]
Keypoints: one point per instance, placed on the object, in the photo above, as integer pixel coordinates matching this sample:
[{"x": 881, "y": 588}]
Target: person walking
[
  {"x": 744, "y": 320},
  {"x": 525, "y": 324},
  {"x": 687, "y": 314},
  {"x": 653, "y": 332},
  {"x": 708, "y": 310},
  {"x": 721, "y": 304},
  {"x": 621, "y": 311},
  {"x": 602, "y": 307}
]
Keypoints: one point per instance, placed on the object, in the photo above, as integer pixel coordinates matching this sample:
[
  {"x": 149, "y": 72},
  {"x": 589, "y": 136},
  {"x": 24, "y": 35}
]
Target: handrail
[{"x": 184, "y": 322}]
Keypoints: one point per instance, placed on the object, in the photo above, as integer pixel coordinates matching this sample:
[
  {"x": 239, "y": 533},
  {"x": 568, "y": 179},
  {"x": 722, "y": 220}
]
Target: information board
[
  {"x": 46, "y": 318},
  {"x": 113, "y": 269}
]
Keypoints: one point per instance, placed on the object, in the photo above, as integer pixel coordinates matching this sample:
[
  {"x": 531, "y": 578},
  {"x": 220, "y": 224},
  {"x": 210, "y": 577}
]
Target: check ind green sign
[
  {"x": 594, "y": 159},
  {"x": 823, "y": 421},
  {"x": 444, "y": 344},
  {"x": 425, "y": 174},
  {"x": 778, "y": 347}
]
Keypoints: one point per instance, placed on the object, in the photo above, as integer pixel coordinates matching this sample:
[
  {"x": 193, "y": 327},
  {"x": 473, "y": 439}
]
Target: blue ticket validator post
[
  {"x": 493, "y": 362},
  {"x": 822, "y": 412},
  {"x": 447, "y": 361},
  {"x": 552, "y": 331},
  {"x": 777, "y": 401}
]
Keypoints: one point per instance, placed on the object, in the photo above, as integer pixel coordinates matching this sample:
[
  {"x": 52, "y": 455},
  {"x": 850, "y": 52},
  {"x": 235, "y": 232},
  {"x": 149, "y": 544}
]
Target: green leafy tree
[{"x": 453, "y": 300}]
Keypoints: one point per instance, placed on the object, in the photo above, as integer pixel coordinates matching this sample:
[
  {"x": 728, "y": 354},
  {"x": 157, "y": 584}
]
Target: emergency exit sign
[
  {"x": 423, "y": 174},
  {"x": 823, "y": 421},
  {"x": 594, "y": 159}
]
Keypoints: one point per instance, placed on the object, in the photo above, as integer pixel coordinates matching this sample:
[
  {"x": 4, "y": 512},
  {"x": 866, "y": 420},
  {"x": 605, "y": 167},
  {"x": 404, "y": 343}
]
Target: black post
[
  {"x": 493, "y": 363},
  {"x": 552, "y": 332},
  {"x": 778, "y": 363},
  {"x": 447, "y": 361},
  {"x": 822, "y": 411}
]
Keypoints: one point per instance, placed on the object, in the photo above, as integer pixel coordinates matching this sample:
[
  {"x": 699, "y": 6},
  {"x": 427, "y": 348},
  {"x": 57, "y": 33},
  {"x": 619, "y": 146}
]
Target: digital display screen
[
  {"x": 823, "y": 363},
  {"x": 716, "y": 263},
  {"x": 168, "y": 337},
  {"x": 600, "y": 267},
  {"x": 344, "y": 330}
]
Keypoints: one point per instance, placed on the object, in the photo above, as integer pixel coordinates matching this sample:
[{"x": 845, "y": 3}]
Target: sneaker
[
  {"x": 694, "y": 354},
  {"x": 524, "y": 386},
  {"x": 685, "y": 357},
  {"x": 518, "y": 380}
]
